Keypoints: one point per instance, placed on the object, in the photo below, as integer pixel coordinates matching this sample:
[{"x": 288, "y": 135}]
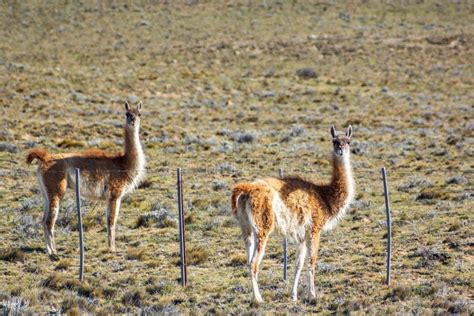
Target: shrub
[
  {"x": 219, "y": 185},
  {"x": 244, "y": 137},
  {"x": 28, "y": 226},
  {"x": 159, "y": 216}
]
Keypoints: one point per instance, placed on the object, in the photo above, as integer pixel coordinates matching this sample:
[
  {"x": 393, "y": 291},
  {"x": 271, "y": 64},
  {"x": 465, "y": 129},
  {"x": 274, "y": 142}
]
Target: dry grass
[
  {"x": 12, "y": 255},
  {"x": 226, "y": 98}
]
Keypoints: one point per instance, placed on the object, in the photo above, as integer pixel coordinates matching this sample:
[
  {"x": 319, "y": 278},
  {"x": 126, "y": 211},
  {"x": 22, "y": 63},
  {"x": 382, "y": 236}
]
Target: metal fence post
[
  {"x": 182, "y": 239},
  {"x": 389, "y": 227},
  {"x": 285, "y": 243},
  {"x": 79, "y": 225}
]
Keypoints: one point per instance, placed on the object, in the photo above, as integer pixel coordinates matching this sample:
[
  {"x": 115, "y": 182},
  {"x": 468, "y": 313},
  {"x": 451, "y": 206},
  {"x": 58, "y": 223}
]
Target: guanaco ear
[
  {"x": 139, "y": 106},
  {"x": 333, "y": 131},
  {"x": 349, "y": 131},
  {"x": 127, "y": 106}
]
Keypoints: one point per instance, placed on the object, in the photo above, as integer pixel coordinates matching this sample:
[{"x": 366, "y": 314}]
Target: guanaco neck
[
  {"x": 133, "y": 149},
  {"x": 342, "y": 184}
]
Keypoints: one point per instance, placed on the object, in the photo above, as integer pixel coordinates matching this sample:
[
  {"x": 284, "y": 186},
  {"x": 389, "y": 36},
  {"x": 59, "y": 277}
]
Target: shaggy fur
[
  {"x": 103, "y": 176},
  {"x": 296, "y": 208}
]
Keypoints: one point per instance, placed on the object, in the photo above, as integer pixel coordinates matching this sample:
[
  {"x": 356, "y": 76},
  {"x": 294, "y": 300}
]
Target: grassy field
[{"x": 222, "y": 99}]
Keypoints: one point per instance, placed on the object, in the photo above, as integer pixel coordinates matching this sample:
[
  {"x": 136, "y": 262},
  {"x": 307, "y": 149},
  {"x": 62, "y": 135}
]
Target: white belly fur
[{"x": 286, "y": 222}]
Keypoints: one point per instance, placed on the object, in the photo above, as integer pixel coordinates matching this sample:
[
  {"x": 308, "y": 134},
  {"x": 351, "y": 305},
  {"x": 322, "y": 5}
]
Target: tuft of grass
[
  {"x": 71, "y": 284},
  {"x": 134, "y": 297},
  {"x": 425, "y": 290},
  {"x": 63, "y": 264},
  {"x": 12, "y": 255},
  {"x": 153, "y": 263},
  {"x": 109, "y": 292},
  {"x": 432, "y": 194},
  {"x": 163, "y": 287},
  {"x": 54, "y": 282},
  {"x": 70, "y": 306},
  {"x": 91, "y": 220},
  {"x": 191, "y": 218},
  {"x": 196, "y": 255},
  {"x": 238, "y": 260},
  {"x": 399, "y": 293},
  {"x": 85, "y": 290},
  {"x": 136, "y": 254}
]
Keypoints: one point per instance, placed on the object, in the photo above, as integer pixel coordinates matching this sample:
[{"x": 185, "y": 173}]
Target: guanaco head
[
  {"x": 341, "y": 142},
  {"x": 133, "y": 115}
]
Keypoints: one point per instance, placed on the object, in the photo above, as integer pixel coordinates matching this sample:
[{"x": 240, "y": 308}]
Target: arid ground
[{"x": 232, "y": 91}]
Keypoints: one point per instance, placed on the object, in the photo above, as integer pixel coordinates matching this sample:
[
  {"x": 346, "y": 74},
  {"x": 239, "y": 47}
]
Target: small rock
[{"x": 306, "y": 73}]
